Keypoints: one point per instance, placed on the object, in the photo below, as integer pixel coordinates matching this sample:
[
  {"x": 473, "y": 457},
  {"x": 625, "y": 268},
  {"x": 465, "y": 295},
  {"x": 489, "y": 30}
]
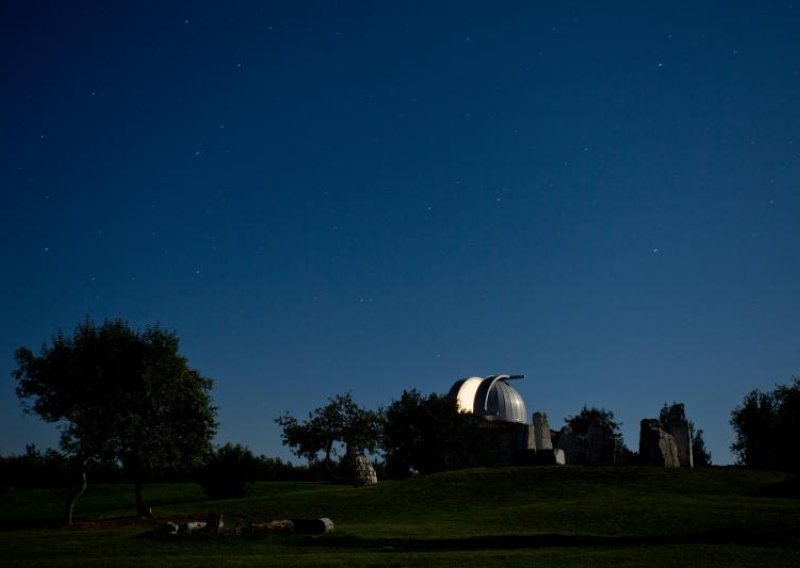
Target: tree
[
  {"x": 767, "y": 428},
  {"x": 33, "y": 469},
  {"x": 700, "y": 455},
  {"x": 754, "y": 427},
  {"x": 580, "y": 422},
  {"x": 339, "y": 424},
  {"x": 228, "y": 472},
  {"x": 787, "y": 437},
  {"x": 119, "y": 394},
  {"x": 428, "y": 434},
  {"x": 663, "y": 414}
]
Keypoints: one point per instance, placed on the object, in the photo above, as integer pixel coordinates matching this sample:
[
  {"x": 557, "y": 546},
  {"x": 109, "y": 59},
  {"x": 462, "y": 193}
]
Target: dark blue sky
[{"x": 330, "y": 196}]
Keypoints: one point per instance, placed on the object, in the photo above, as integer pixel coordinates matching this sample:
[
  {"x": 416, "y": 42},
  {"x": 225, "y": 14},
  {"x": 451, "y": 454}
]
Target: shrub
[{"x": 228, "y": 472}]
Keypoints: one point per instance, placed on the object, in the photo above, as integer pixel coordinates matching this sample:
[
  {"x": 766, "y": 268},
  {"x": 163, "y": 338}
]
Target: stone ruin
[
  {"x": 546, "y": 454},
  {"x": 511, "y": 440},
  {"x": 567, "y": 442},
  {"x": 364, "y": 472},
  {"x": 541, "y": 432},
  {"x": 597, "y": 447},
  {"x": 656, "y": 446},
  {"x": 667, "y": 444},
  {"x": 357, "y": 470},
  {"x": 678, "y": 427},
  {"x": 519, "y": 444},
  {"x": 601, "y": 444}
]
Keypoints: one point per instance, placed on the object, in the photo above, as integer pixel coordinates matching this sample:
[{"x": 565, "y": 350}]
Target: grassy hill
[{"x": 569, "y": 516}]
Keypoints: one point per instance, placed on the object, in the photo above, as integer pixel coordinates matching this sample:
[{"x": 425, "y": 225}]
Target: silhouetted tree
[
  {"x": 428, "y": 434},
  {"x": 339, "y": 425},
  {"x": 787, "y": 437},
  {"x": 754, "y": 424},
  {"x": 119, "y": 394},
  {"x": 580, "y": 422},
  {"x": 700, "y": 455},
  {"x": 275, "y": 469},
  {"x": 663, "y": 414},
  {"x": 228, "y": 472},
  {"x": 34, "y": 469},
  {"x": 767, "y": 428}
]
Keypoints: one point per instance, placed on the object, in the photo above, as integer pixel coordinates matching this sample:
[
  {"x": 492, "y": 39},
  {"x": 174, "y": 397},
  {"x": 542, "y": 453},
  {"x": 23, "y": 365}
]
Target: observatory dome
[{"x": 491, "y": 398}]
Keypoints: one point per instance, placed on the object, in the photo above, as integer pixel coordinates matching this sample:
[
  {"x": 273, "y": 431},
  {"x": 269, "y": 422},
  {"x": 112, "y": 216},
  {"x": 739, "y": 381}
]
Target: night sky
[{"x": 321, "y": 197}]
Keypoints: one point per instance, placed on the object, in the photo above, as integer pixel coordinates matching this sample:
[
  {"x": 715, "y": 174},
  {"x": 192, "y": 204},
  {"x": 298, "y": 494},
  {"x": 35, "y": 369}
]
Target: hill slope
[{"x": 553, "y": 516}]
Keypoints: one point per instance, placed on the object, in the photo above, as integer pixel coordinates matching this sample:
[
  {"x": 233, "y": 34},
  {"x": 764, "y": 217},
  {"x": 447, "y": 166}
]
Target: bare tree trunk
[
  {"x": 80, "y": 490},
  {"x": 135, "y": 470},
  {"x": 142, "y": 510}
]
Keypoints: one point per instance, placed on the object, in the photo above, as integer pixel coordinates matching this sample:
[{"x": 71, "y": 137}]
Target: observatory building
[
  {"x": 491, "y": 398},
  {"x": 504, "y": 426}
]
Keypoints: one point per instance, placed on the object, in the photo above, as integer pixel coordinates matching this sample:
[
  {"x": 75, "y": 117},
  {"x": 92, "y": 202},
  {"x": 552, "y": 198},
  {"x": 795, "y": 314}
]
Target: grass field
[{"x": 545, "y": 516}]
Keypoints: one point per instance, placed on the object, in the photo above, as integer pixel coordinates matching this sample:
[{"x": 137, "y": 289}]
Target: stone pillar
[
  {"x": 678, "y": 427},
  {"x": 570, "y": 448},
  {"x": 657, "y": 447},
  {"x": 363, "y": 472},
  {"x": 541, "y": 432}
]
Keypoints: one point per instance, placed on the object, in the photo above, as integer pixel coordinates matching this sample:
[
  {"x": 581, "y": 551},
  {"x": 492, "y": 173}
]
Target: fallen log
[
  {"x": 313, "y": 526},
  {"x": 272, "y": 527}
]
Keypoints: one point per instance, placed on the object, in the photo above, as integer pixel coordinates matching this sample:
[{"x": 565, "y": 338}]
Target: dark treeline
[
  {"x": 51, "y": 468},
  {"x": 48, "y": 469}
]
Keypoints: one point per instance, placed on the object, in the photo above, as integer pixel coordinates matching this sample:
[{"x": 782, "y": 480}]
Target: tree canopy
[
  {"x": 428, "y": 434},
  {"x": 767, "y": 428},
  {"x": 228, "y": 472},
  {"x": 701, "y": 455},
  {"x": 579, "y": 423},
  {"x": 339, "y": 425},
  {"x": 117, "y": 393}
]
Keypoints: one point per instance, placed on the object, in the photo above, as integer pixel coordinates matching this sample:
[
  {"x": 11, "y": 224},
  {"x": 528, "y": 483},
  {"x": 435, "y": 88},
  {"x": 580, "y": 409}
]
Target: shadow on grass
[
  {"x": 35, "y": 523},
  {"x": 78, "y": 524},
  {"x": 789, "y": 489},
  {"x": 760, "y": 537}
]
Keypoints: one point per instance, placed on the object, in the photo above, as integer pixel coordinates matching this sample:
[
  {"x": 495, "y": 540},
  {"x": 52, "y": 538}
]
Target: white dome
[
  {"x": 491, "y": 398},
  {"x": 467, "y": 389}
]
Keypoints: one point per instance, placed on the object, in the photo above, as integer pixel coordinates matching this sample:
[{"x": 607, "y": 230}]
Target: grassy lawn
[{"x": 569, "y": 516}]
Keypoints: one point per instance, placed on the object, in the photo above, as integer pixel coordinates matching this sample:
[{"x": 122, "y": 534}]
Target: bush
[{"x": 229, "y": 472}]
